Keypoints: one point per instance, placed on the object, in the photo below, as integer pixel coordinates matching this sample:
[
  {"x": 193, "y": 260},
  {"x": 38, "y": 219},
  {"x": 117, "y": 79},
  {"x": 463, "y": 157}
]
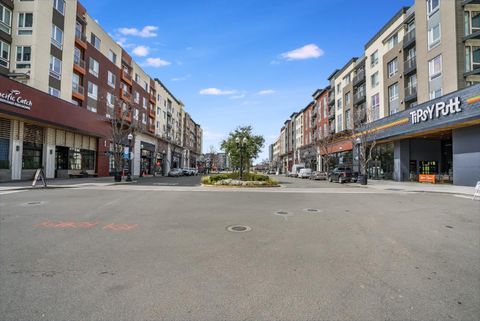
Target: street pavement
[{"x": 159, "y": 251}]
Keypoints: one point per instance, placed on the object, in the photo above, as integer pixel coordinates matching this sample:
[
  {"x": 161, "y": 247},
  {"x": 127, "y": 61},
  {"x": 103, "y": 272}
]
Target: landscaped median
[{"x": 233, "y": 179}]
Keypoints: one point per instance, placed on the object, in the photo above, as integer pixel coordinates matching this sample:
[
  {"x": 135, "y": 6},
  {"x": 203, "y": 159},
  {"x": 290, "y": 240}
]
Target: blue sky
[{"x": 243, "y": 62}]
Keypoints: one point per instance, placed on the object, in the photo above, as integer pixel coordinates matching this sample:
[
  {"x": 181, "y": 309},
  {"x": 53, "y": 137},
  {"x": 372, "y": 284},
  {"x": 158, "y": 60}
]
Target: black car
[{"x": 341, "y": 175}]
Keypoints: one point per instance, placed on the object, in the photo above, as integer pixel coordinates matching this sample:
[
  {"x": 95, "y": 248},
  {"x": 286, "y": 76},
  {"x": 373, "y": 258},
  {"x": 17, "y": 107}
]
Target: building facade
[
  {"x": 415, "y": 86},
  {"x": 78, "y": 63}
]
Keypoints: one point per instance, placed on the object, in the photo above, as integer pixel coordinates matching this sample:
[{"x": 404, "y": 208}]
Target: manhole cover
[
  {"x": 239, "y": 228},
  {"x": 33, "y": 203},
  {"x": 281, "y": 213},
  {"x": 312, "y": 210}
]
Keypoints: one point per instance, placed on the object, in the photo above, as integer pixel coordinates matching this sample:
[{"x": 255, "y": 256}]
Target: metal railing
[
  {"x": 78, "y": 89},
  {"x": 410, "y": 64},
  {"x": 79, "y": 62},
  {"x": 410, "y": 91}
]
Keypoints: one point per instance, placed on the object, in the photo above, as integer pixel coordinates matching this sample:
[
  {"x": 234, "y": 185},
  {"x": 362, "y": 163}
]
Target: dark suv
[{"x": 341, "y": 175}]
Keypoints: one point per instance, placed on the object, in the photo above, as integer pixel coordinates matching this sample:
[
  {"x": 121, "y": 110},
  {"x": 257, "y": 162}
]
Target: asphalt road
[{"x": 129, "y": 253}]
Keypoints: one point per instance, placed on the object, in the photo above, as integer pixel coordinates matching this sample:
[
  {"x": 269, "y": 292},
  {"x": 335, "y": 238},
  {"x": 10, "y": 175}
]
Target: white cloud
[
  {"x": 211, "y": 135},
  {"x": 182, "y": 78},
  {"x": 306, "y": 52},
  {"x": 146, "y": 32},
  {"x": 238, "y": 96},
  {"x": 266, "y": 92},
  {"x": 141, "y": 51},
  {"x": 155, "y": 62},
  {"x": 216, "y": 92}
]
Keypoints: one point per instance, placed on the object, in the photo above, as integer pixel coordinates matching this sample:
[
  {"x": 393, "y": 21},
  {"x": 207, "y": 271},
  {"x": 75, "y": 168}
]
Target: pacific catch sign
[
  {"x": 14, "y": 98},
  {"x": 437, "y": 110}
]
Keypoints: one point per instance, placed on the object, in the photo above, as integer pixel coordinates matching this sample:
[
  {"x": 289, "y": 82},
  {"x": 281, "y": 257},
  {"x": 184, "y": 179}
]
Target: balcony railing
[
  {"x": 81, "y": 39},
  {"x": 359, "y": 77},
  {"x": 76, "y": 88},
  {"x": 410, "y": 93},
  {"x": 409, "y": 38},
  {"x": 331, "y": 113},
  {"x": 410, "y": 65},
  {"x": 331, "y": 99},
  {"x": 125, "y": 95},
  {"x": 126, "y": 76},
  {"x": 359, "y": 97},
  {"x": 79, "y": 62}
]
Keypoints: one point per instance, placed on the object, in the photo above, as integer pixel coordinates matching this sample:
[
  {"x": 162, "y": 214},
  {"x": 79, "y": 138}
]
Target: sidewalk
[
  {"x": 65, "y": 183},
  {"x": 418, "y": 187}
]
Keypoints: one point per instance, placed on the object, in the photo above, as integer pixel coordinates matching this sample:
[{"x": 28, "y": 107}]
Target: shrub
[{"x": 233, "y": 179}]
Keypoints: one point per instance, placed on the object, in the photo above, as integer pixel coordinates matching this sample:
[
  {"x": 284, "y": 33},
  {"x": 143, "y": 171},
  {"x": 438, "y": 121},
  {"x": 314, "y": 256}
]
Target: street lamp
[
  {"x": 164, "y": 162},
  {"x": 129, "y": 176},
  {"x": 241, "y": 144}
]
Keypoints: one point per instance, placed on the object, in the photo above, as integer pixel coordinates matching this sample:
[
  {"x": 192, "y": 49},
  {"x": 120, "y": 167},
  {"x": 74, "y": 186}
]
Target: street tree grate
[{"x": 239, "y": 228}]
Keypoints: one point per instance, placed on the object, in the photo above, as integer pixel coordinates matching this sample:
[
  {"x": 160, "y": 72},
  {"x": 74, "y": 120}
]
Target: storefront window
[
  {"x": 381, "y": 165},
  {"x": 81, "y": 159},
  {"x": 32, "y": 155},
  {"x": 61, "y": 157},
  {"x": 4, "y": 147}
]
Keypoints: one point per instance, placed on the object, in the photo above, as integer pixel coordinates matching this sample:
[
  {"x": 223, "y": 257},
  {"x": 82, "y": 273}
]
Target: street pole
[
  {"x": 129, "y": 176},
  {"x": 241, "y": 162}
]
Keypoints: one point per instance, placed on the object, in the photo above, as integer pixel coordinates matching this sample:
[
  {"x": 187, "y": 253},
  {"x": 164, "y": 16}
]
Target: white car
[{"x": 305, "y": 173}]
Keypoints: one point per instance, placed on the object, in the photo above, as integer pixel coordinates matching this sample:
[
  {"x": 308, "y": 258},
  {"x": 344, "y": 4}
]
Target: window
[
  {"x": 93, "y": 67},
  {"x": 112, "y": 56},
  {"x": 24, "y": 54},
  {"x": 472, "y": 22},
  {"x": 339, "y": 103},
  {"x": 432, "y": 6},
  {"x": 59, "y": 5},
  {"x": 4, "y": 54},
  {"x": 25, "y": 23},
  {"x": 435, "y": 67},
  {"x": 411, "y": 54},
  {"x": 435, "y": 93},
  {"x": 393, "y": 92},
  {"x": 5, "y": 19},
  {"x": 338, "y": 88},
  {"x": 111, "y": 79},
  {"x": 136, "y": 97},
  {"x": 144, "y": 118},
  {"x": 374, "y": 80},
  {"x": 135, "y": 113},
  {"x": 95, "y": 41},
  {"x": 145, "y": 86},
  {"x": 392, "y": 41},
  {"x": 137, "y": 78},
  {"x": 76, "y": 83},
  {"x": 81, "y": 159},
  {"x": 110, "y": 100},
  {"x": 375, "y": 107},
  {"x": 32, "y": 155},
  {"x": 347, "y": 99},
  {"x": 55, "y": 67},
  {"x": 144, "y": 102},
  {"x": 472, "y": 58},
  {"x": 392, "y": 68},
  {"x": 57, "y": 36},
  {"x": 374, "y": 59},
  {"x": 77, "y": 57},
  {"x": 92, "y": 90},
  {"x": 346, "y": 80},
  {"x": 54, "y": 92},
  {"x": 339, "y": 123},
  {"x": 434, "y": 36},
  {"x": 411, "y": 85},
  {"x": 347, "y": 120}
]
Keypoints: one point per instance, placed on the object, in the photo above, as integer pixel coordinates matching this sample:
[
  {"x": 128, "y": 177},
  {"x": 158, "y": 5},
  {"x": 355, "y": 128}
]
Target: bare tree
[
  {"x": 325, "y": 146},
  {"x": 363, "y": 139}
]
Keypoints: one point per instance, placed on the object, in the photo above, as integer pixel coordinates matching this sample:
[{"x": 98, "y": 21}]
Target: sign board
[
  {"x": 425, "y": 178},
  {"x": 39, "y": 175},
  {"x": 125, "y": 152},
  {"x": 437, "y": 110},
  {"x": 14, "y": 98}
]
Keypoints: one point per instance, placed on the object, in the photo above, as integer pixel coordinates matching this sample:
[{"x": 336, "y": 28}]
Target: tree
[
  {"x": 325, "y": 146},
  {"x": 363, "y": 139},
  {"x": 253, "y": 146}
]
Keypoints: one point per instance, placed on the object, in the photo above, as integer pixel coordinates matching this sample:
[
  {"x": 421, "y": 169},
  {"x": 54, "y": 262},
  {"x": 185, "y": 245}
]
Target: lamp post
[
  {"x": 129, "y": 176},
  {"x": 164, "y": 162},
  {"x": 241, "y": 144}
]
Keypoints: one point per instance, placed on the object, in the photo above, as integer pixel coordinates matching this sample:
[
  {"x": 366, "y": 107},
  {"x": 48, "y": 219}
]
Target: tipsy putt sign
[{"x": 437, "y": 110}]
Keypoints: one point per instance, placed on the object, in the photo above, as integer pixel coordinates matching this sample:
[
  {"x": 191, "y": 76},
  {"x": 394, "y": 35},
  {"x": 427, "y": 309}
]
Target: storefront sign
[
  {"x": 440, "y": 109},
  {"x": 424, "y": 178},
  {"x": 14, "y": 98}
]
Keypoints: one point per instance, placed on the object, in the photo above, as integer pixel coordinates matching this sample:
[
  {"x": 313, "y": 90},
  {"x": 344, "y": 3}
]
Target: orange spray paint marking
[{"x": 120, "y": 227}]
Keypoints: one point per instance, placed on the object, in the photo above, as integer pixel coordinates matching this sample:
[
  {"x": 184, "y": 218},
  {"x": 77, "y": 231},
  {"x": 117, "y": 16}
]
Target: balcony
[
  {"x": 409, "y": 39},
  {"x": 331, "y": 113},
  {"x": 126, "y": 77},
  {"x": 410, "y": 93},
  {"x": 80, "y": 39},
  {"x": 124, "y": 115},
  {"x": 410, "y": 65},
  {"x": 151, "y": 129},
  {"x": 359, "y": 78},
  {"x": 475, "y": 34},
  {"x": 151, "y": 112},
  {"x": 79, "y": 65},
  {"x": 465, "y": 2},
  {"x": 359, "y": 97},
  {"x": 331, "y": 100},
  {"x": 78, "y": 92},
  {"x": 153, "y": 98},
  {"x": 125, "y": 95}
]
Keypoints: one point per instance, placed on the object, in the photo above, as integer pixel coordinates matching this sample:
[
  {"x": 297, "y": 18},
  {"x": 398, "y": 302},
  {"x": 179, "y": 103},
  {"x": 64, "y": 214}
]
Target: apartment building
[
  {"x": 416, "y": 86},
  {"x": 79, "y": 65}
]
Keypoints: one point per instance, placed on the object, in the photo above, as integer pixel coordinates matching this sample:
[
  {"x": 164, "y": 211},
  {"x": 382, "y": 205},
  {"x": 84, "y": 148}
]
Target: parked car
[
  {"x": 319, "y": 176},
  {"x": 187, "y": 171},
  {"x": 341, "y": 175},
  {"x": 305, "y": 173},
  {"x": 175, "y": 172},
  {"x": 295, "y": 169}
]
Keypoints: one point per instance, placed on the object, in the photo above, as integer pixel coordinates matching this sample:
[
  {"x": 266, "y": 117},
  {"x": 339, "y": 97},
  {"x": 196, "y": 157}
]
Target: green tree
[{"x": 252, "y": 148}]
